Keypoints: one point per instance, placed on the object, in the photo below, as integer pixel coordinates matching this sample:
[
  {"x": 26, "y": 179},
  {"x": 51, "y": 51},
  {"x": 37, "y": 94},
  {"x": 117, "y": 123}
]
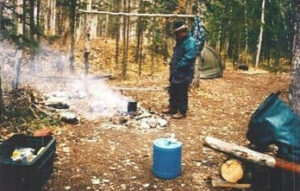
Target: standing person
[{"x": 181, "y": 71}]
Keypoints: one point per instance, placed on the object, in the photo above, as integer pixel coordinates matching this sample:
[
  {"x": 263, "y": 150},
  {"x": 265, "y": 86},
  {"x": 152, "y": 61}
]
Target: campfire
[
  {"x": 141, "y": 119},
  {"x": 98, "y": 100}
]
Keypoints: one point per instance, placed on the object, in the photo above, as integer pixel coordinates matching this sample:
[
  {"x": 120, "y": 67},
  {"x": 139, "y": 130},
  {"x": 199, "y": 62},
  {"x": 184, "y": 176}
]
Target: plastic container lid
[{"x": 167, "y": 143}]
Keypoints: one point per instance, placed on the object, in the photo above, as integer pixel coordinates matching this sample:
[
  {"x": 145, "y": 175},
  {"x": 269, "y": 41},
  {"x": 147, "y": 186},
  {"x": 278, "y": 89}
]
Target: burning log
[
  {"x": 57, "y": 100},
  {"x": 57, "y": 103},
  {"x": 69, "y": 117},
  {"x": 250, "y": 155},
  {"x": 232, "y": 170}
]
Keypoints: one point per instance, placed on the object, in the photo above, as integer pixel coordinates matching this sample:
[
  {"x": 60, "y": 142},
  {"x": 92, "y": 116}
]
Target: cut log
[
  {"x": 250, "y": 155},
  {"x": 224, "y": 184},
  {"x": 232, "y": 170}
]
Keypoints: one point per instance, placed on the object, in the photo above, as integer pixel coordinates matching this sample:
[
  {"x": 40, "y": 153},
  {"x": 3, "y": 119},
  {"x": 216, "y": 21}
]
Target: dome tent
[{"x": 209, "y": 65}]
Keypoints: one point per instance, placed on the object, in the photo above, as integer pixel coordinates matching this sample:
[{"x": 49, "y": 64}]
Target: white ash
[{"x": 143, "y": 120}]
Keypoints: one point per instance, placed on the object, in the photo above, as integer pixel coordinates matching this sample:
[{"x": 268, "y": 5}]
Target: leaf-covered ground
[{"x": 91, "y": 157}]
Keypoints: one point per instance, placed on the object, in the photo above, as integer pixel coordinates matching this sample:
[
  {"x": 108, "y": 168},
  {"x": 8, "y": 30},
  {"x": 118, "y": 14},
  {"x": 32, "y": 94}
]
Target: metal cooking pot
[{"x": 132, "y": 107}]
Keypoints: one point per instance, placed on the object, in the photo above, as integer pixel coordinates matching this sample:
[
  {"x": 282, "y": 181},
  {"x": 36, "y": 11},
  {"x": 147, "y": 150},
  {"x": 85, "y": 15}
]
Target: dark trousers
[{"x": 178, "y": 100}]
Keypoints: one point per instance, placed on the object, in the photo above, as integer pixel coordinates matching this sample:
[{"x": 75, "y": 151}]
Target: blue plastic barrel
[{"x": 166, "y": 158}]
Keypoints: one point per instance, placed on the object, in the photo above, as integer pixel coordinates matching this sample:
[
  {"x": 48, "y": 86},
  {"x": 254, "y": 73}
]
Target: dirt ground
[{"x": 91, "y": 157}]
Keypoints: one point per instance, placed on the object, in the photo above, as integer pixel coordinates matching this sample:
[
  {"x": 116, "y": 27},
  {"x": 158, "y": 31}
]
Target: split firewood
[
  {"x": 34, "y": 113},
  {"x": 232, "y": 170},
  {"x": 251, "y": 155},
  {"x": 224, "y": 184},
  {"x": 37, "y": 107}
]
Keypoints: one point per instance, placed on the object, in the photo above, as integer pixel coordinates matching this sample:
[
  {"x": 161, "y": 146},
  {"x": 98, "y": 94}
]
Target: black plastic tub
[{"x": 20, "y": 176}]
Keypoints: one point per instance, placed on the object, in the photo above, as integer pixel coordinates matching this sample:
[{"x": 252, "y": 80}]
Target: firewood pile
[{"x": 249, "y": 168}]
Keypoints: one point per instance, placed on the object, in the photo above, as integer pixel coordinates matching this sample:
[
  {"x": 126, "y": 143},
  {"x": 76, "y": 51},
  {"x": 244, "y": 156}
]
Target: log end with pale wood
[{"x": 232, "y": 170}]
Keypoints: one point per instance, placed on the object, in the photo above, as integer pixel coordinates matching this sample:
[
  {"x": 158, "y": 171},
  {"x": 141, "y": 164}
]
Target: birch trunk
[
  {"x": 38, "y": 12},
  {"x": 24, "y": 20},
  {"x": 32, "y": 36},
  {"x": 17, "y": 69},
  {"x": 46, "y": 16},
  {"x": 20, "y": 12},
  {"x": 87, "y": 38},
  {"x": 93, "y": 26},
  {"x": 295, "y": 84},
  {"x": 106, "y": 26},
  {"x": 2, "y": 109},
  {"x": 260, "y": 39},
  {"x": 72, "y": 28},
  {"x": 124, "y": 60},
  {"x": 52, "y": 17},
  {"x": 117, "y": 28}
]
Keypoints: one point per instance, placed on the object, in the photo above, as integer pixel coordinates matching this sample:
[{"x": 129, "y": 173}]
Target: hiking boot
[
  {"x": 178, "y": 116},
  {"x": 168, "y": 111}
]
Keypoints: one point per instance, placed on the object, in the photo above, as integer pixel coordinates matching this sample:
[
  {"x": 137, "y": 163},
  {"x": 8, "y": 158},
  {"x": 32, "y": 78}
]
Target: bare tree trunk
[
  {"x": 17, "y": 69},
  {"x": 166, "y": 51},
  {"x": 2, "y": 109},
  {"x": 227, "y": 45},
  {"x": 73, "y": 4},
  {"x": 141, "y": 54},
  {"x": 52, "y": 17},
  {"x": 38, "y": 20},
  {"x": 117, "y": 29},
  {"x": 1, "y": 29},
  {"x": 295, "y": 84},
  {"x": 46, "y": 16},
  {"x": 218, "y": 44},
  {"x": 246, "y": 32},
  {"x": 260, "y": 39},
  {"x": 125, "y": 39},
  {"x": 106, "y": 25},
  {"x": 238, "y": 48},
  {"x": 140, "y": 32},
  {"x": 93, "y": 21},
  {"x": 87, "y": 38},
  {"x": 24, "y": 6},
  {"x": 32, "y": 34},
  {"x": 19, "y": 12},
  {"x": 128, "y": 31}
]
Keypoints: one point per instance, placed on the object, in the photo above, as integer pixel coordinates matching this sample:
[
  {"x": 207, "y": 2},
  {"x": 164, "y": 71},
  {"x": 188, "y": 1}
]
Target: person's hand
[{"x": 196, "y": 83}]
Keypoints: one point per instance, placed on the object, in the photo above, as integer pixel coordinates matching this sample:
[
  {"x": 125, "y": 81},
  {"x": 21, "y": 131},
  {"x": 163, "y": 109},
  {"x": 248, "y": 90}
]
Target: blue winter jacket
[{"x": 183, "y": 60}]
